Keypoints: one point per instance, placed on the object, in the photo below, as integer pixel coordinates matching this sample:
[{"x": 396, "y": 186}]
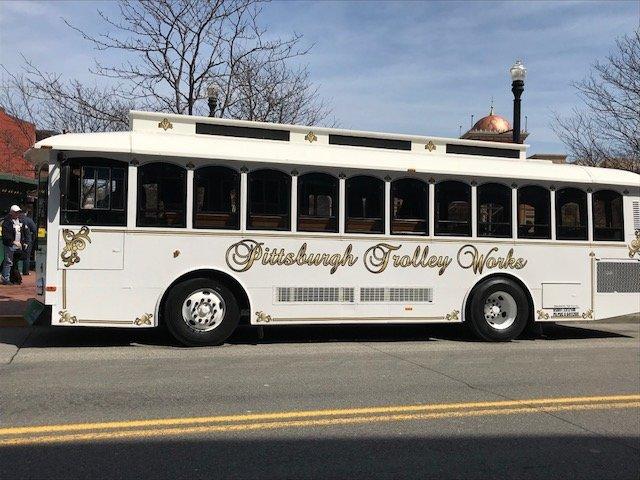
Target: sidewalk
[{"x": 13, "y": 298}]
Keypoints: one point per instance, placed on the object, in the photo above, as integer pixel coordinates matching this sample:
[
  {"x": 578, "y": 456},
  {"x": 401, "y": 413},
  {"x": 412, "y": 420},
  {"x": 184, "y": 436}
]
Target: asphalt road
[{"x": 384, "y": 402}]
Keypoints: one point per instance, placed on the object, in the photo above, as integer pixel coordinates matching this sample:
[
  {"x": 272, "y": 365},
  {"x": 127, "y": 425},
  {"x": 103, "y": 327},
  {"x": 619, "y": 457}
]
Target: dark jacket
[
  {"x": 9, "y": 233},
  {"x": 31, "y": 229}
]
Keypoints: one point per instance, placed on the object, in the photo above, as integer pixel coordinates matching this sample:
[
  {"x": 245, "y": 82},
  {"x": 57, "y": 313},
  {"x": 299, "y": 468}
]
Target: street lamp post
[
  {"x": 212, "y": 95},
  {"x": 518, "y": 74}
]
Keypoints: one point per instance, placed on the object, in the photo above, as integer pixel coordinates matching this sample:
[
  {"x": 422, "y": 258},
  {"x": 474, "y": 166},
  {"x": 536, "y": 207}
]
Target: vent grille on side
[
  {"x": 621, "y": 277},
  {"x": 314, "y": 294},
  {"x": 636, "y": 215},
  {"x": 392, "y": 294}
]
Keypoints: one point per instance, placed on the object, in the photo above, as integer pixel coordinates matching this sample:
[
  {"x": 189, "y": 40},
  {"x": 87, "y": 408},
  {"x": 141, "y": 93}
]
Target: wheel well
[
  {"x": 507, "y": 277},
  {"x": 230, "y": 282}
]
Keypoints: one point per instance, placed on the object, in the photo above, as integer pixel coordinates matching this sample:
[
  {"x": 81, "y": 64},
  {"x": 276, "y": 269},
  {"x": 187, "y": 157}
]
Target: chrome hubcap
[
  {"x": 500, "y": 310},
  {"x": 203, "y": 310}
]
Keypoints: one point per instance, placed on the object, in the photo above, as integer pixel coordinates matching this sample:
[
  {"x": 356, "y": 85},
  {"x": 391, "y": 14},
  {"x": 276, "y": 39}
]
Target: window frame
[
  {"x": 108, "y": 217},
  {"x": 231, "y": 220},
  {"x": 617, "y": 195},
  {"x": 331, "y": 222},
  {"x": 269, "y": 218},
  {"x": 395, "y": 225},
  {"x": 509, "y": 210},
  {"x": 139, "y": 173},
  {"x": 376, "y": 224},
  {"x": 583, "y": 212},
  {"x": 436, "y": 214},
  {"x": 549, "y": 226}
]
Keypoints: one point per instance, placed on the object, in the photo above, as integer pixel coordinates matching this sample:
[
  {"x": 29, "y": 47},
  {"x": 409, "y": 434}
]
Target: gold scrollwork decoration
[
  {"x": 66, "y": 317},
  {"x": 74, "y": 242},
  {"x": 454, "y": 315},
  {"x": 542, "y": 315},
  {"x": 144, "y": 319},
  {"x": 262, "y": 317},
  {"x": 165, "y": 124},
  {"x": 588, "y": 314},
  {"x": 430, "y": 146},
  {"x": 311, "y": 137},
  {"x": 634, "y": 246}
]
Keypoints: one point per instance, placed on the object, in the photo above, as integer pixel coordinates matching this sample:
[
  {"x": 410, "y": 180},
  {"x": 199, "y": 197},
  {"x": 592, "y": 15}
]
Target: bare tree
[
  {"x": 172, "y": 52},
  {"x": 606, "y": 130}
]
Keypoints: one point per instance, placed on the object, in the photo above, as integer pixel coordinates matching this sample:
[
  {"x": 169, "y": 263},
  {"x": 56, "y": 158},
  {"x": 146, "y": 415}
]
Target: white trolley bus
[{"x": 200, "y": 224}]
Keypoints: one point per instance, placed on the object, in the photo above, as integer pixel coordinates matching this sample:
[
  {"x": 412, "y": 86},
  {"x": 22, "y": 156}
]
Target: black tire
[
  {"x": 475, "y": 312},
  {"x": 182, "y": 331}
]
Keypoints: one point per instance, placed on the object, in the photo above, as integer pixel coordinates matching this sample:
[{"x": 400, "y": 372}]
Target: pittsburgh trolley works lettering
[{"x": 243, "y": 255}]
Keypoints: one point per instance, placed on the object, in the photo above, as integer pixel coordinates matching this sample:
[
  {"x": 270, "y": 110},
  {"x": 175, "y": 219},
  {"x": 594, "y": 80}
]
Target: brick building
[{"x": 17, "y": 175}]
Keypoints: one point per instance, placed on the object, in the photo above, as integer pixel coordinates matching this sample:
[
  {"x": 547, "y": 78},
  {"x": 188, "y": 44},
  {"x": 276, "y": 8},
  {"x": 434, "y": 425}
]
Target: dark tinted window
[
  {"x": 93, "y": 191},
  {"x": 317, "y": 203},
  {"x": 162, "y": 195},
  {"x": 216, "y": 198},
  {"x": 453, "y": 209},
  {"x": 571, "y": 214},
  {"x": 365, "y": 205},
  {"x": 269, "y": 200},
  {"x": 494, "y": 210},
  {"x": 608, "y": 223},
  {"x": 409, "y": 206},
  {"x": 534, "y": 217}
]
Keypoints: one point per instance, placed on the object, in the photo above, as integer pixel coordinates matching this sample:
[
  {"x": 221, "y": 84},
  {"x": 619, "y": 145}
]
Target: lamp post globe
[{"x": 518, "y": 73}]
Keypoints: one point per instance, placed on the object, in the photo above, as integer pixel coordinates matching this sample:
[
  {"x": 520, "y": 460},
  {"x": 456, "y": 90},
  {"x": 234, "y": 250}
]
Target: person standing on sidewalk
[
  {"x": 31, "y": 230},
  {"x": 13, "y": 235}
]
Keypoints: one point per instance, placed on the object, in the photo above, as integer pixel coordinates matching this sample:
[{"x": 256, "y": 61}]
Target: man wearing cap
[{"x": 13, "y": 239}]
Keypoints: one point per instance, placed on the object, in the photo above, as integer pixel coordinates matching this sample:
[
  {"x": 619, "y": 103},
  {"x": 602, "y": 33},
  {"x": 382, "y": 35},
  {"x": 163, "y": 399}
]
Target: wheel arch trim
[
  {"x": 500, "y": 274},
  {"x": 204, "y": 271}
]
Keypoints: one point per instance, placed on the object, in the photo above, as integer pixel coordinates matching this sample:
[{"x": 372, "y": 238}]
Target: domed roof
[{"x": 492, "y": 123}]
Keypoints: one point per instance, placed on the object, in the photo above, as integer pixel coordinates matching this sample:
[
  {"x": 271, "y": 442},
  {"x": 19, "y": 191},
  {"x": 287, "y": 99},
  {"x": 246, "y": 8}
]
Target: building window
[
  {"x": 494, "y": 210},
  {"x": 453, "y": 209},
  {"x": 608, "y": 223},
  {"x": 534, "y": 212},
  {"x": 93, "y": 191},
  {"x": 162, "y": 195},
  {"x": 409, "y": 206},
  {"x": 571, "y": 214},
  {"x": 317, "y": 203},
  {"x": 216, "y": 198},
  {"x": 269, "y": 200},
  {"x": 365, "y": 205}
]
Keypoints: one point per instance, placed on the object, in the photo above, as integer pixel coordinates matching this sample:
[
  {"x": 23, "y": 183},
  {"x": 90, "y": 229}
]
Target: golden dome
[{"x": 492, "y": 123}]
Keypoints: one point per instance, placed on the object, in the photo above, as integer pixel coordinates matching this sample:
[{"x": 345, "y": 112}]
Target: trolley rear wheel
[{"x": 498, "y": 310}]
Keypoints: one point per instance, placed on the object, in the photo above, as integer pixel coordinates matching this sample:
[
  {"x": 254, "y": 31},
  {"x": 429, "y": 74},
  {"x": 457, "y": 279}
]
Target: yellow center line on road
[
  {"x": 391, "y": 409},
  {"x": 318, "y": 422}
]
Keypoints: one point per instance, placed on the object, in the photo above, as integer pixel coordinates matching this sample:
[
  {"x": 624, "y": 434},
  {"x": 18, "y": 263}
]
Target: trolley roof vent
[
  {"x": 243, "y": 132},
  {"x": 486, "y": 151},
  {"x": 370, "y": 142}
]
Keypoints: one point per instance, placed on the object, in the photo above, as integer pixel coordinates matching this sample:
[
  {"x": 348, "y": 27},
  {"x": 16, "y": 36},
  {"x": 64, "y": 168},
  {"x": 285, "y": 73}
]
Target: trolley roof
[{"x": 201, "y": 139}]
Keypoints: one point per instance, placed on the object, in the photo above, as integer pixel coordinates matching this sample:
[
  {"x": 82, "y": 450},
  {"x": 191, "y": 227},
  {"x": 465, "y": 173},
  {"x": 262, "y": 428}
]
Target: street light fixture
[{"x": 518, "y": 75}]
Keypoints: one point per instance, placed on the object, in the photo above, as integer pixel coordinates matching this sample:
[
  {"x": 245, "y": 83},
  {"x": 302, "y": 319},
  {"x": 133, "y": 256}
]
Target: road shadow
[
  {"x": 46, "y": 336},
  {"x": 530, "y": 457}
]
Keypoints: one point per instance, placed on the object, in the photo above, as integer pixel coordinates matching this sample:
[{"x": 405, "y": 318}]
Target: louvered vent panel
[
  {"x": 392, "y": 294},
  {"x": 621, "y": 277},
  {"x": 636, "y": 215},
  {"x": 314, "y": 295}
]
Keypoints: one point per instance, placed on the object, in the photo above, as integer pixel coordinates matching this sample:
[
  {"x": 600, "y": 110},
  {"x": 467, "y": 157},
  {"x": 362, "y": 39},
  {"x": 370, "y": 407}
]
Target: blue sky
[{"x": 415, "y": 67}]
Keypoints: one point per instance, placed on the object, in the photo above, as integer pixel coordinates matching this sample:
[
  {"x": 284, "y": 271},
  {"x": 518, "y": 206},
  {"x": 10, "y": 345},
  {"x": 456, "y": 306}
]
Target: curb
[{"x": 12, "y": 321}]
